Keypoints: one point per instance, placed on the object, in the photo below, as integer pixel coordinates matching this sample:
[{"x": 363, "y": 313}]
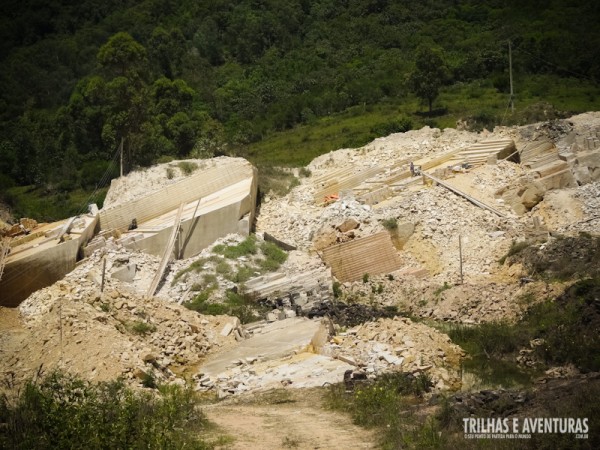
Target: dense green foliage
[
  {"x": 65, "y": 412},
  {"x": 179, "y": 78}
]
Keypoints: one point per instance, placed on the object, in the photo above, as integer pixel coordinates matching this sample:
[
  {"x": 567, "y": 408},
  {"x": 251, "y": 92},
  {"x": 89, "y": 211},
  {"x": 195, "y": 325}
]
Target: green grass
[
  {"x": 49, "y": 206},
  {"x": 359, "y": 125},
  {"x": 441, "y": 289},
  {"x": 274, "y": 257},
  {"x": 377, "y": 404},
  {"x": 196, "y": 266},
  {"x": 568, "y": 327},
  {"x": 244, "y": 248}
]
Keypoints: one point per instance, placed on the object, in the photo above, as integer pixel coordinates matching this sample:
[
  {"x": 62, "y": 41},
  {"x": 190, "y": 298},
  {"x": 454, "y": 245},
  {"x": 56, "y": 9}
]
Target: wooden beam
[
  {"x": 167, "y": 254},
  {"x": 463, "y": 194}
]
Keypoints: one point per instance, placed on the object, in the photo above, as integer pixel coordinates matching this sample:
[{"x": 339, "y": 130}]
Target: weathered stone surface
[
  {"x": 347, "y": 225},
  {"x": 534, "y": 193}
]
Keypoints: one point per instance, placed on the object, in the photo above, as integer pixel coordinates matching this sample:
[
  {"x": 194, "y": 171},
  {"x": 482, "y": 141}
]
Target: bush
[
  {"x": 143, "y": 328},
  {"x": 337, "y": 289},
  {"x": 164, "y": 159},
  {"x": 441, "y": 289},
  {"x": 390, "y": 224},
  {"x": 491, "y": 339},
  {"x": 187, "y": 168},
  {"x": 305, "y": 172},
  {"x": 515, "y": 248},
  {"x": 234, "y": 305},
  {"x": 63, "y": 411}
]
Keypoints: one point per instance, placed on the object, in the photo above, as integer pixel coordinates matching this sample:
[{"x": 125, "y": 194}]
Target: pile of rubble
[
  {"x": 588, "y": 196},
  {"x": 317, "y": 357},
  {"x": 399, "y": 344},
  {"x": 121, "y": 333}
]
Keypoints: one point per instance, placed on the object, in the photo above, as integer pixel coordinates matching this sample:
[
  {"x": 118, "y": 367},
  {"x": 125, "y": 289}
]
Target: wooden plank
[{"x": 167, "y": 255}]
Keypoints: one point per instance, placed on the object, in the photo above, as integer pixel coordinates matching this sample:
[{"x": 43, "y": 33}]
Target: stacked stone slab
[
  {"x": 41, "y": 258},
  {"x": 334, "y": 185},
  {"x": 301, "y": 290},
  {"x": 372, "y": 255},
  {"x": 198, "y": 185},
  {"x": 481, "y": 152}
]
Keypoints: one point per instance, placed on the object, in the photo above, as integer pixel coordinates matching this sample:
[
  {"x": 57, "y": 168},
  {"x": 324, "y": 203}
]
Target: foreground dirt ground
[{"x": 285, "y": 419}]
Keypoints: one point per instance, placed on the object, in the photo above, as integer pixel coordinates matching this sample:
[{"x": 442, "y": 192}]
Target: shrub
[
  {"x": 515, "y": 248},
  {"x": 337, "y": 290},
  {"x": 149, "y": 381},
  {"x": 187, "y": 167},
  {"x": 198, "y": 303},
  {"x": 143, "y": 328},
  {"x": 244, "y": 273},
  {"x": 235, "y": 305},
  {"x": 379, "y": 403},
  {"x": 305, "y": 172},
  {"x": 390, "y": 224},
  {"x": 223, "y": 268},
  {"x": 63, "y": 411},
  {"x": 164, "y": 159},
  {"x": 274, "y": 257},
  {"x": 170, "y": 173}
]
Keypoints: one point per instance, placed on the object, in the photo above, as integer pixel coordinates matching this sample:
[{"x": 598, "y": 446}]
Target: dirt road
[{"x": 285, "y": 419}]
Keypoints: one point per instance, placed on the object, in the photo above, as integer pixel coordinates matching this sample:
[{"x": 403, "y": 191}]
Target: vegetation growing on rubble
[
  {"x": 187, "y": 167},
  {"x": 257, "y": 258},
  {"x": 379, "y": 403},
  {"x": 240, "y": 306},
  {"x": 515, "y": 248},
  {"x": 563, "y": 331},
  {"x": 63, "y": 411}
]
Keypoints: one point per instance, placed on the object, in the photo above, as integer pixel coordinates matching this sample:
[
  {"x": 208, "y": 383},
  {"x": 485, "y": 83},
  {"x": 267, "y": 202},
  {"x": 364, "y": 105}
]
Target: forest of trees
[{"x": 175, "y": 78}]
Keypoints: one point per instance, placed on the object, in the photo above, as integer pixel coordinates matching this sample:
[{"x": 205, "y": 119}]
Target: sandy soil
[{"x": 286, "y": 419}]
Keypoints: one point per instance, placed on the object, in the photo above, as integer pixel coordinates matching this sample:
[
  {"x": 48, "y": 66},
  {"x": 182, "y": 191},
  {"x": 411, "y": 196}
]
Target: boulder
[
  {"x": 347, "y": 225},
  {"x": 533, "y": 194}
]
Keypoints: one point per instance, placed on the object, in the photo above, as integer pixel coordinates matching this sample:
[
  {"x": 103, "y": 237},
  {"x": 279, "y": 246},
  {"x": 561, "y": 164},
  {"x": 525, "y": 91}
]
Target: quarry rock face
[{"x": 362, "y": 231}]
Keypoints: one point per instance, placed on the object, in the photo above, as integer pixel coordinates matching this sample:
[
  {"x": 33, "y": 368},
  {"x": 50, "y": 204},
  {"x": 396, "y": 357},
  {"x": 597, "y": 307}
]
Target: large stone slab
[{"x": 371, "y": 255}]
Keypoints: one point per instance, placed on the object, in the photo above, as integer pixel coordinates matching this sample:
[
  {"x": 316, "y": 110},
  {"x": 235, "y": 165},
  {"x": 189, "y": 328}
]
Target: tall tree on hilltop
[{"x": 429, "y": 75}]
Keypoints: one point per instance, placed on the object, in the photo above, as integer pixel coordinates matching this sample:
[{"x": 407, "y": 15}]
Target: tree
[
  {"x": 429, "y": 75},
  {"x": 122, "y": 55}
]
